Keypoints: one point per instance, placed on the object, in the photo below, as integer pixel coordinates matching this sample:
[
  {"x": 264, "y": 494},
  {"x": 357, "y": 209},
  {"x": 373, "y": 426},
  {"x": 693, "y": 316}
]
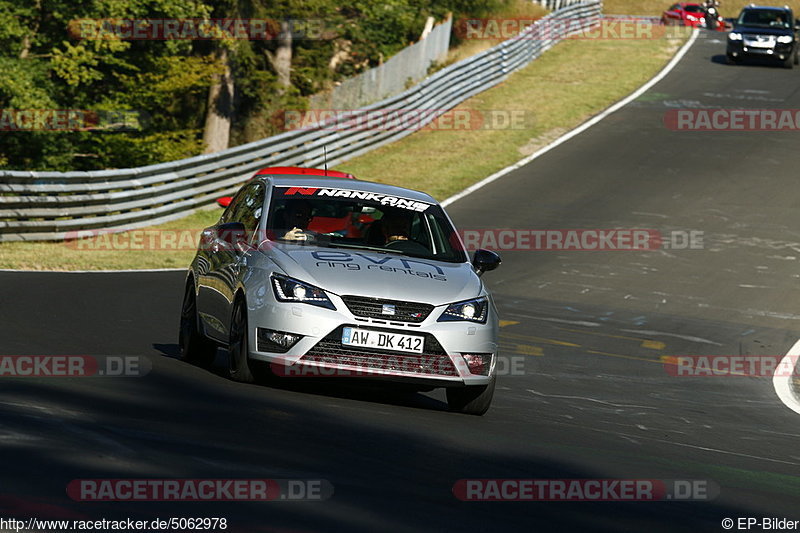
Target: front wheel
[
  {"x": 471, "y": 400},
  {"x": 238, "y": 346},
  {"x": 194, "y": 346},
  {"x": 790, "y": 62},
  {"x": 240, "y": 367}
]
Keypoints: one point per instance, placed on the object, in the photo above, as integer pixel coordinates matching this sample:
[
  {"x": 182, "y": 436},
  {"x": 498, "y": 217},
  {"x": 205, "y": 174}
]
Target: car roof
[
  {"x": 753, "y": 7},
  {"x": 302, "y": 171},
  {"x": 347, "y": 184}
]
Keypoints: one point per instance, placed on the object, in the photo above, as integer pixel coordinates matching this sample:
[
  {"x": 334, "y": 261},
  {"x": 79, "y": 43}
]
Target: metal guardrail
[
  {"x": 557, "y": 4},
  {"x": 57, "y": 205},
  {"x": 391, "y": 77}
]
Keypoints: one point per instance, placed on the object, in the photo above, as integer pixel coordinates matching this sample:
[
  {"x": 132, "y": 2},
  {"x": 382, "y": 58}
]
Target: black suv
[{"x": 764, "y": 32}]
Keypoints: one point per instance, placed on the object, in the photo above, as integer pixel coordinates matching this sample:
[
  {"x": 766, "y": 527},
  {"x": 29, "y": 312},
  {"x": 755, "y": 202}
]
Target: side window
[
  {"x": 230, "y": 211},
  {"x": 248, "y": 210}
]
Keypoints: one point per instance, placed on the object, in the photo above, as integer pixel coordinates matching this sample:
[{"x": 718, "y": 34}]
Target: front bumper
[
  {"x": 440, "y": 365},
  {"x": 740, "y": 49}
]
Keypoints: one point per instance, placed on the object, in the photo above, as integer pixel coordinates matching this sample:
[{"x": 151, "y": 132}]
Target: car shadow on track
[
  {"x": 350, "y": 388},
  {"x": 385, "y": 468},
  {"x": 722, "y": 59}
]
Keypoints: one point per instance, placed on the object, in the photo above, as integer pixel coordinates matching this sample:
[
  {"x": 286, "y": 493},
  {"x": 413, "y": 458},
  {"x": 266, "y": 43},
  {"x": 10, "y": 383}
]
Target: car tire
[
  {"x": 796, "y": 58},
  {"x": 238, "y": 345},
  {"x": 732, "y": 60},
  {"x": 240, "y": 367},
  {"x": 471, "y": 400},
  {"x": 789, "y": 63},
  {"x": 194, "y": 346}
]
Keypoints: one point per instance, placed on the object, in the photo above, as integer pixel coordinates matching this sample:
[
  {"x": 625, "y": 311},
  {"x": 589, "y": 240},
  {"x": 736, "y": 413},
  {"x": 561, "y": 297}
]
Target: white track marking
[
  {"x": 580, "y": 129},
  {"x": 782, "y": 380},
  {"x": 564, "y": 138}
]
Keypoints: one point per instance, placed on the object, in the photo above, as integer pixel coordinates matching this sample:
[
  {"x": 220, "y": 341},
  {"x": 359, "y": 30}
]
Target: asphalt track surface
[{"x": 595, "y": 400}]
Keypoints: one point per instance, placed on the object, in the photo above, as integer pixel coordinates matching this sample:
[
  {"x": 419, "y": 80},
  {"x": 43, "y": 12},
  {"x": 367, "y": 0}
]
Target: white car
[{"x": 344, "y": 277}]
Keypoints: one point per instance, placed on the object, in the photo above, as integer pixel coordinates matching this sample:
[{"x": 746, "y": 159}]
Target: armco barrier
[
  {"x": 557, "y": 4},
  {"x": 53, "y": 205}
]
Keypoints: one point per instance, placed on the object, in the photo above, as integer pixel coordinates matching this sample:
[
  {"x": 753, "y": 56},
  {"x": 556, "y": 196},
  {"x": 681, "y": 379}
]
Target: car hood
[
  {"x": 762, "y": 31},
  {"x": 377, "y": 275}
]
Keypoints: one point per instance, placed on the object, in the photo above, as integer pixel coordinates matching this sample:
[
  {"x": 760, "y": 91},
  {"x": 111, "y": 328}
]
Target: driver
[
  {"x": 396, "y": 227},
  {"x": 296, "y": 215}
]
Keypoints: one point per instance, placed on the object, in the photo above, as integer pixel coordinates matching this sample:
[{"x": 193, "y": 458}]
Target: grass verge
[
  {"x": 567, "y": 85},
  {"x": 564, "y": 87}
]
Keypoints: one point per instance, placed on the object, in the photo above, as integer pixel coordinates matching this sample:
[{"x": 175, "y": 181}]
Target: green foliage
[
  {"x": 47, "y": 65},
  {"x": 125, "y": 150}
]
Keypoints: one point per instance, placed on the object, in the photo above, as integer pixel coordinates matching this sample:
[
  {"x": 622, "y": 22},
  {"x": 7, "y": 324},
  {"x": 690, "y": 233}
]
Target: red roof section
[
  {"x": 291, "y": 171},
  {"x": 300, "y": 171}
]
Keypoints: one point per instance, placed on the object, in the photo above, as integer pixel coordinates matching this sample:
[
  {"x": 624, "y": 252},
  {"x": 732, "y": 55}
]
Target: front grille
[
  {"x": 754, "y": 38},
  {"x": 374, "y": 308},
  {"x": 331, "y": 351}
]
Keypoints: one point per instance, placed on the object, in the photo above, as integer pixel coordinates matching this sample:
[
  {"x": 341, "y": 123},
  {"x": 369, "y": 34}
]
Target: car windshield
[
  {"x": 764, "y": 18},
  {"x": 692, "y": 9},
  {"x": 361, "y": 220}
]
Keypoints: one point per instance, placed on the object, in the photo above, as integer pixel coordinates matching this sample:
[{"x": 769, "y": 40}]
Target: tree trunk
[
  {"x": 27, "y": 40},
  {"x": 217, "y": 133},
  {"x": 281, "y": 60}
]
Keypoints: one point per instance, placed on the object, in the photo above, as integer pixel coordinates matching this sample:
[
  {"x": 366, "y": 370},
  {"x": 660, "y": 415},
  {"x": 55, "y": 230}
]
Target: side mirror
[
  {"x": 485, "y": 260},
  {"x": 232, "y": 234}
]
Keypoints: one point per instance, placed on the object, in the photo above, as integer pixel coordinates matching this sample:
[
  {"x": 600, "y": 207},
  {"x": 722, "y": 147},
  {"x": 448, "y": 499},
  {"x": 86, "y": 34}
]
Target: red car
[{"x": 685, "y": 14}]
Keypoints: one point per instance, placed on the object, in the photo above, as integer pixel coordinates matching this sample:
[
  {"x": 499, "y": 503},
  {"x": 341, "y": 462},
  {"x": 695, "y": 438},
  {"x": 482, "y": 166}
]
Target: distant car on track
[
  {"x": 684, "y": 14},
  {"x": 307, "y": 271},
  {"x": 765, "y": 33}
]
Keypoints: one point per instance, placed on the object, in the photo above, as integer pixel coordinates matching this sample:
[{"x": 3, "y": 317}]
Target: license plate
[
  {"x": 762, "y": 44},
  {"x": 383, "y": 340}
]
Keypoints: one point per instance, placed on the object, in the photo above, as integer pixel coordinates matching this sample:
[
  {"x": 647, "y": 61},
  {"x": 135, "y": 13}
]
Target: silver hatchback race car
[{"x": 306, "y": 274}]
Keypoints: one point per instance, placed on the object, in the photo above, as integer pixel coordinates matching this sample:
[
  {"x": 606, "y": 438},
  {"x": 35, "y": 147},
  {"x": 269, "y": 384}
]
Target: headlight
[
  {"x": 475, "y": 310},
  {"x": 785, "y": 39},
  {"x": 691, "y": 17},
  {"x": 291, "y": 290},
  {"x": 734, "y": 36}
]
